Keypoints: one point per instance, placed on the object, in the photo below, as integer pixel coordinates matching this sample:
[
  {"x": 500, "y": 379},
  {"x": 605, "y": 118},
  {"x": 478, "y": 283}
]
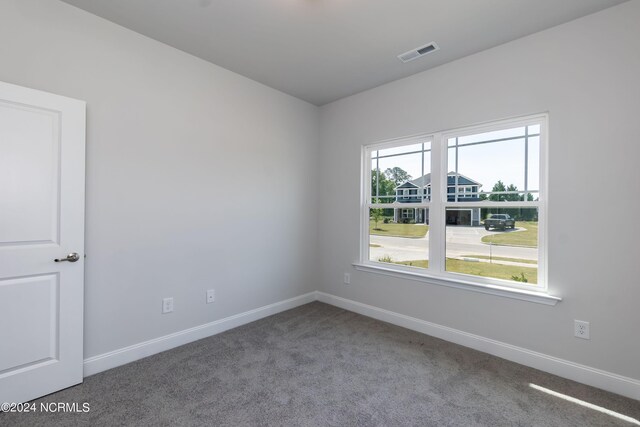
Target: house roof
[
  {"x": 408, "y": 184},
  {"x": 462, "y": 180},
  {"x": 422, "y": 181},
  {"x": 425, "y": 180}
]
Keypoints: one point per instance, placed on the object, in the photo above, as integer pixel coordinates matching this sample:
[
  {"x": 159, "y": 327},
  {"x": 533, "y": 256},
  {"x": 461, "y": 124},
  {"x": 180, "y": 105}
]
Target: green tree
[
  {"x": 498, "y": 186},
  {"x": 512, "y": 197},
  {"x": 376, "y": 214},
  {"x": 381, "y": 186},
  {"x": 397, "y": 175},
  {"x": 521, "y": 214},
  {"x": 386, "y": 183}
]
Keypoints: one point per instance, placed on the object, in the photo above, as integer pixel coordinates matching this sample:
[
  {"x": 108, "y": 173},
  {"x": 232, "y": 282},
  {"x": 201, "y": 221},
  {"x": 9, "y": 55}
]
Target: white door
[{"x": 42, "y": 146}]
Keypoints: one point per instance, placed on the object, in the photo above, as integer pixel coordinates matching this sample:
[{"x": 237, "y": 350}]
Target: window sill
[{"x": 502, "y": 291}]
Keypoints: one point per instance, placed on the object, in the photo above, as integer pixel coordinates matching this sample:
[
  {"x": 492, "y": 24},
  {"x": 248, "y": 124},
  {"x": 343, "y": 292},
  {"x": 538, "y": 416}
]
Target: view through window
[
  {"x": 398, "y": 177},
  {"x": 479, "y": 217}
]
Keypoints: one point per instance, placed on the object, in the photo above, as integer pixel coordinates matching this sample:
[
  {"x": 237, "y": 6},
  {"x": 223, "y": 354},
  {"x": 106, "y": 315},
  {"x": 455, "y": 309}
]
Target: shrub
[
  {"x": 520, "y": 278},
  {"x": 385, "y": 258}
]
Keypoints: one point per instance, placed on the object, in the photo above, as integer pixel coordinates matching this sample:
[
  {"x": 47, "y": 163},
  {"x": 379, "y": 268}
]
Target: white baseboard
[
  {"x": 624, "y": 386},
  {"x": 619, "y": 384},
  {"x": 125, "y": 355}
]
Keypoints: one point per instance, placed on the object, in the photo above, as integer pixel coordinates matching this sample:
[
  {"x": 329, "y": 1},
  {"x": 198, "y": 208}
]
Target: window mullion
[
  {"x": 455, "y": 186},
  {"x": 436, "y": 212},
  {"x": 465, "y": 206},
  {"x": 365, "y": 203},
  {"x": 377, "y": 178},
  {"x": 526, "y": 162}
]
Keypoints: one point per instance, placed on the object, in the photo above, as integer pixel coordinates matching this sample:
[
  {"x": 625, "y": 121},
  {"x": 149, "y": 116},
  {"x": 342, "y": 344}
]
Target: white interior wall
[
  {"x": 187, "y": 168},
  {"x": 184, "y": 160},
  {"x": 585, "y": 75}
]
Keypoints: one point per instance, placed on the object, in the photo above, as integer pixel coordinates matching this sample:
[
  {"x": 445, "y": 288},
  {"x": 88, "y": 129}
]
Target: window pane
[
  {"x": 533, "y": 171},
  {"x": 496, "y": 167},
  {"x": 424, "y": 182},
  {"x": 382, "y": 189},
  {"x": 402, "y": 168},
  {"x": 404, "y": 149},
  {"x": 401, "y": 177},
  {"x": 490, "y": 136},
  {"x": 399, "y": 236},
  {"x": 500, "y": 243},
  {"x": 503, "y": 170}
]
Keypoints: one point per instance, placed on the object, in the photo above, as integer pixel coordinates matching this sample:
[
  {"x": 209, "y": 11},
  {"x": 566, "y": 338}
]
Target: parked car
[{"x": 499, "y": 221}]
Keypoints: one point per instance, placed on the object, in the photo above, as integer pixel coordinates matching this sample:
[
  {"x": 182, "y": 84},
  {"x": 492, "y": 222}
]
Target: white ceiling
[{"x": 323, "y": 50}]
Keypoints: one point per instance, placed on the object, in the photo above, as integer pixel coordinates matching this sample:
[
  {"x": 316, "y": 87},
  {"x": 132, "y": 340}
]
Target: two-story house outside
[{"x": 419, "y": 189}]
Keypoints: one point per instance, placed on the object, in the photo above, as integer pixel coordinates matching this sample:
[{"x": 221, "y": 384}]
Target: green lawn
[
  {"x": 502, "y": 258},
  {"x": 527, "y": 237},
  {"x": 398, "y": 230},
  {"x": 422, "y": 263},
  {"x": 497, "y": 271}
]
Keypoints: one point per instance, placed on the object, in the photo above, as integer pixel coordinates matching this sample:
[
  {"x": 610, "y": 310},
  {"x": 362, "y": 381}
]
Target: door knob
[{"x": 72, "y": 257}]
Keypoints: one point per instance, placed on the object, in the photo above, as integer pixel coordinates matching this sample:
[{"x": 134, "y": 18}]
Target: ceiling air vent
[{"x": 418, "y": 52}]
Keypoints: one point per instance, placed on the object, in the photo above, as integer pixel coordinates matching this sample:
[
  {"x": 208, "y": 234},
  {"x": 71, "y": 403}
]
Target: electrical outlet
[
  {"x": 581, "y": 329},
  {"x": 347, "y": 278},
  {"x": 211, "y": 296},
  {"x": 167, "y": 305}
]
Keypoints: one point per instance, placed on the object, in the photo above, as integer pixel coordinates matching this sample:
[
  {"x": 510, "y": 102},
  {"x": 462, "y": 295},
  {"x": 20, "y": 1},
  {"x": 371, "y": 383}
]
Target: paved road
[{"x": 460, "y": 241}]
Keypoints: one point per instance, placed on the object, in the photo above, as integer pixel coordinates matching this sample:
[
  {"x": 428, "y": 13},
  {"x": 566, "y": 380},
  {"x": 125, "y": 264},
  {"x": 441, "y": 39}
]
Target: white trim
[
  {"x": 473, "y": 284},
  {"x": 495, "y": 125},
  {"x": 543, "y": 215},
  {"x": 490, "y": 204},
  {"x": 129, "y": 354},
  {"x": 365, "y": 187},
  {"x": 439, "y": 199},
  {"x": 399, "y": 205},
  {"x": 419, "y": 138},
  {"x": 365, "y": 198},
  {"x": 615, "y": 383}
]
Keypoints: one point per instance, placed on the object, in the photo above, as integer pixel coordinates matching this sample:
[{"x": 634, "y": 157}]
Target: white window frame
[{"x": 437, "y": 205}]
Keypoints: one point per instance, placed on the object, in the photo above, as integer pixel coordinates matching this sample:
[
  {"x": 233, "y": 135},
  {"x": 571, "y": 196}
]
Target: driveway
[{"x": 460, "y": 241}]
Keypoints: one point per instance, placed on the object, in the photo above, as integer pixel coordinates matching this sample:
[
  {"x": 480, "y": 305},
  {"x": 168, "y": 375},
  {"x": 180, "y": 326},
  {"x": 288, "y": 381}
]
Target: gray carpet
[{"x": 318, "y": 365}]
